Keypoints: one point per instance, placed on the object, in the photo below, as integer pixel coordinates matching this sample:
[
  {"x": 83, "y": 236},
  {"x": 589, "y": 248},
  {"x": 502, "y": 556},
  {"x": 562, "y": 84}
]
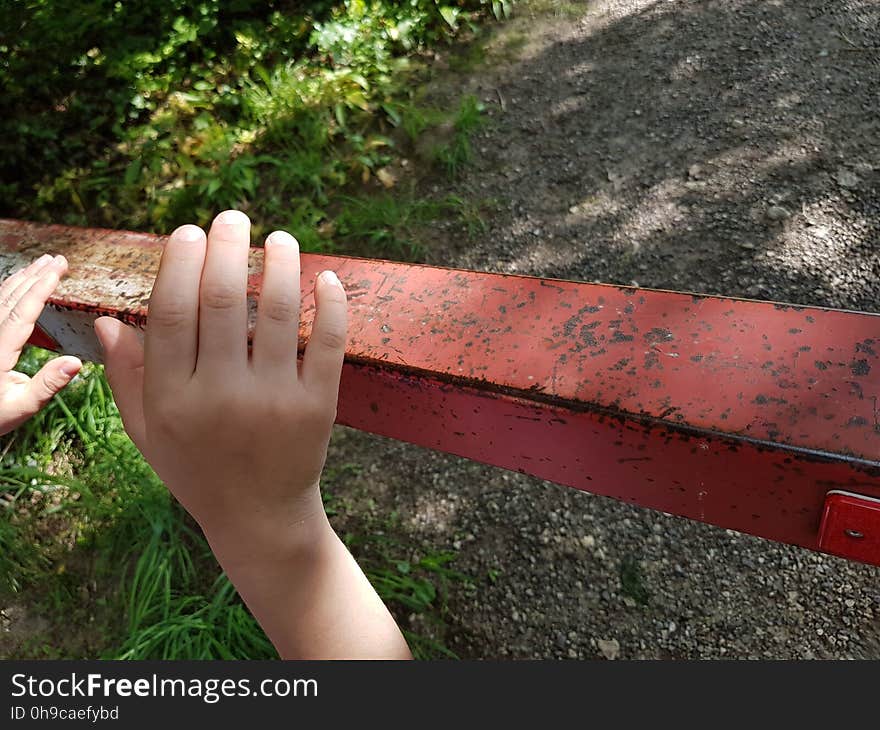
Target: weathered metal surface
[{"x": 739, "y": 413}]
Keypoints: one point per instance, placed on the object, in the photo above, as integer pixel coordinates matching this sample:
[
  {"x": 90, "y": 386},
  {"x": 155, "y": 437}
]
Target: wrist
[{"x": 255, "y": 537}]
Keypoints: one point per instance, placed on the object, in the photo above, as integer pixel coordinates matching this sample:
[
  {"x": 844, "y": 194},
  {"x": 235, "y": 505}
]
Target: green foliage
[
  {"x": 20, "y": 561},
  {"x": 393, "y": 224},
  {"x": 148, "y": 115},
  {"x": 632, "y": 581},
  {"x": 216, "y": 626},
  {"x": 470, "y": 212},
  {"x": 415, "y": 585},
  {"x": 455, "y": 154},
  {"x": 386, "y": 223}
]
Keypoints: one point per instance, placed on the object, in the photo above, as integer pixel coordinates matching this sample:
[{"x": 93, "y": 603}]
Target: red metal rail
[{"x": 738, "y": 413}]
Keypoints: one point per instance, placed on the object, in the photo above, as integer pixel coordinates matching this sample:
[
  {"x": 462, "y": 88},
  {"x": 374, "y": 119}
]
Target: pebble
[
  {"x": 847, "y": 179},
  {"x": 610, "y": 648},
  {"x": 777, "y": 213}
]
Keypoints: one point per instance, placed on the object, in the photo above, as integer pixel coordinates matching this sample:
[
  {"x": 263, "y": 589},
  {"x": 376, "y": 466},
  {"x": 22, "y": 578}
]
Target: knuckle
[
  {"x": 43, "y": 391},
  {"x": 279, "y": 308},
  {"x": 51, "y": 386},
  {"x": 221, "y": 297},
  {"x": 167, "y": 431},
  {"x": 15, "y": 316},
  {"x": 327, "y": 415},
  {"x": 331, "y": 338},
  {"x": 170, "y": 423},
  {"x": 169, "y": 315},
  {"x": 279, "y": 410}
]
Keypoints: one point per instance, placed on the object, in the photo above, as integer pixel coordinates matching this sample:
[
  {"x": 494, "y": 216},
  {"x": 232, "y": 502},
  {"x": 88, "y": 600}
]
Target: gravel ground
[{"x": 728, "y": 147}]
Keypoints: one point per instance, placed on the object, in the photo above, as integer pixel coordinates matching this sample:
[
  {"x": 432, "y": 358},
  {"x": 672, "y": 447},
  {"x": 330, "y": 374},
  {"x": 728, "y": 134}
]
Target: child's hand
[
  {"x": 241, "y": 440},
  {"x": 22, "y": 298}
]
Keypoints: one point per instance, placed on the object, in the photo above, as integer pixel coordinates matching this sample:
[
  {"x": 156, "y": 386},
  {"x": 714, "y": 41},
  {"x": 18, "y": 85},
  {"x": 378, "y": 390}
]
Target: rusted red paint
[{"x": 739, "y": 413}]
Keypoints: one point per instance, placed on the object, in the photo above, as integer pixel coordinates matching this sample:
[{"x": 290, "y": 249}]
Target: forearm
[{"x": 308, "y": 593}]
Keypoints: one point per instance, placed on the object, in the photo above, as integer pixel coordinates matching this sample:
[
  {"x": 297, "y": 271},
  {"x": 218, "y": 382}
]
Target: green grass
[
  {"x": 417, "y": 585},
  {"x": 81, "y": 507},
  {"x": 394, "y": 223},
  {"x": 632, "y": 582},
  {"x": 457, "y": 153},
  {"x": 559, "y": 8},
  {"x": 212, "y": 626},
  {"x": 20, "y": 561},
  {"x": 386, "y": 222}
]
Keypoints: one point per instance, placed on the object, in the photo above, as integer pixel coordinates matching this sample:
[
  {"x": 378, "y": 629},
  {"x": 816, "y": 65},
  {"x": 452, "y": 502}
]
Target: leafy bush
[{"x": 147, "y": 115}]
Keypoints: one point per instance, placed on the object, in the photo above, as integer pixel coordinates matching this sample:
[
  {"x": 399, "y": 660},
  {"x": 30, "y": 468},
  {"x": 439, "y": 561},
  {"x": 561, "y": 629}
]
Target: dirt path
[{"x": 730, "y": 147}]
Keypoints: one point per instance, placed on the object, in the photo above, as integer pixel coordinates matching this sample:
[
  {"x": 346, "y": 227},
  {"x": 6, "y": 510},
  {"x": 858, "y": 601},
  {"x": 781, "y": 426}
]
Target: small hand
[
  {"x": 22, "y": 298},
  {"x": 240, "y": 440}
]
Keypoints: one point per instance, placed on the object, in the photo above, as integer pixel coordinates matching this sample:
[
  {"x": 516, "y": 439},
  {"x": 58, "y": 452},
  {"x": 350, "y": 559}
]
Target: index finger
[
  {"x": 8, "y": 285},
  {"x": 171, "y": 338},
  {"x": 19, "y": 323}
]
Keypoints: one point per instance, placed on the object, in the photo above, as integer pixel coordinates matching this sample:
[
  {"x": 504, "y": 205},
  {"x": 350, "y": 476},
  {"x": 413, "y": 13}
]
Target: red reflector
[{"x": 851, "y": 527}]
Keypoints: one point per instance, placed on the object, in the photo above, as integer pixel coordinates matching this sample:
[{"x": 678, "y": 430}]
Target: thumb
[
  {"x": 124, "y": 366},
  {"x": 51, "y": 378}
]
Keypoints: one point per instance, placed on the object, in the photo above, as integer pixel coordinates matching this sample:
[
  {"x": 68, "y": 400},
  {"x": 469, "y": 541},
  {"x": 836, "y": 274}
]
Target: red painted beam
[{"x": 739, "y": 413}]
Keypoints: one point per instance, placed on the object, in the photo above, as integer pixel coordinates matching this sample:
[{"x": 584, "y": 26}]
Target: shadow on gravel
[{"x": 730, "y": 147}]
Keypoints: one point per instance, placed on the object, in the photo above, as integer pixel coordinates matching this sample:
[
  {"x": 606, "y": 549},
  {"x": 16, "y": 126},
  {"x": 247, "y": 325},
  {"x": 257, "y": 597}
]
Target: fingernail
[
  {"x": 188, "y": 233},
  {"x": 70, "y": 369},
  {"x": 42, "y": 261},
  {"x": 231, "y": 218},
  {"x": 331, "y": 278},
  {"x": 59, "y": 260},
  {"x": 281, "y": 238}
]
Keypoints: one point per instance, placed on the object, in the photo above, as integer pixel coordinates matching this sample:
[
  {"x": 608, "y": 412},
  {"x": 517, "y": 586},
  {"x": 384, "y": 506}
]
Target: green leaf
[
  {"x": 261, "y": 71},
  {"x": 393, "y": 114},
  {"x": 450, "y": 15},
  {"x": 357, "y": 99},
  {"x": 132, "y": 172},
  {"x": 360, "y": 80},
  {"x": 339, "y": 112}
]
